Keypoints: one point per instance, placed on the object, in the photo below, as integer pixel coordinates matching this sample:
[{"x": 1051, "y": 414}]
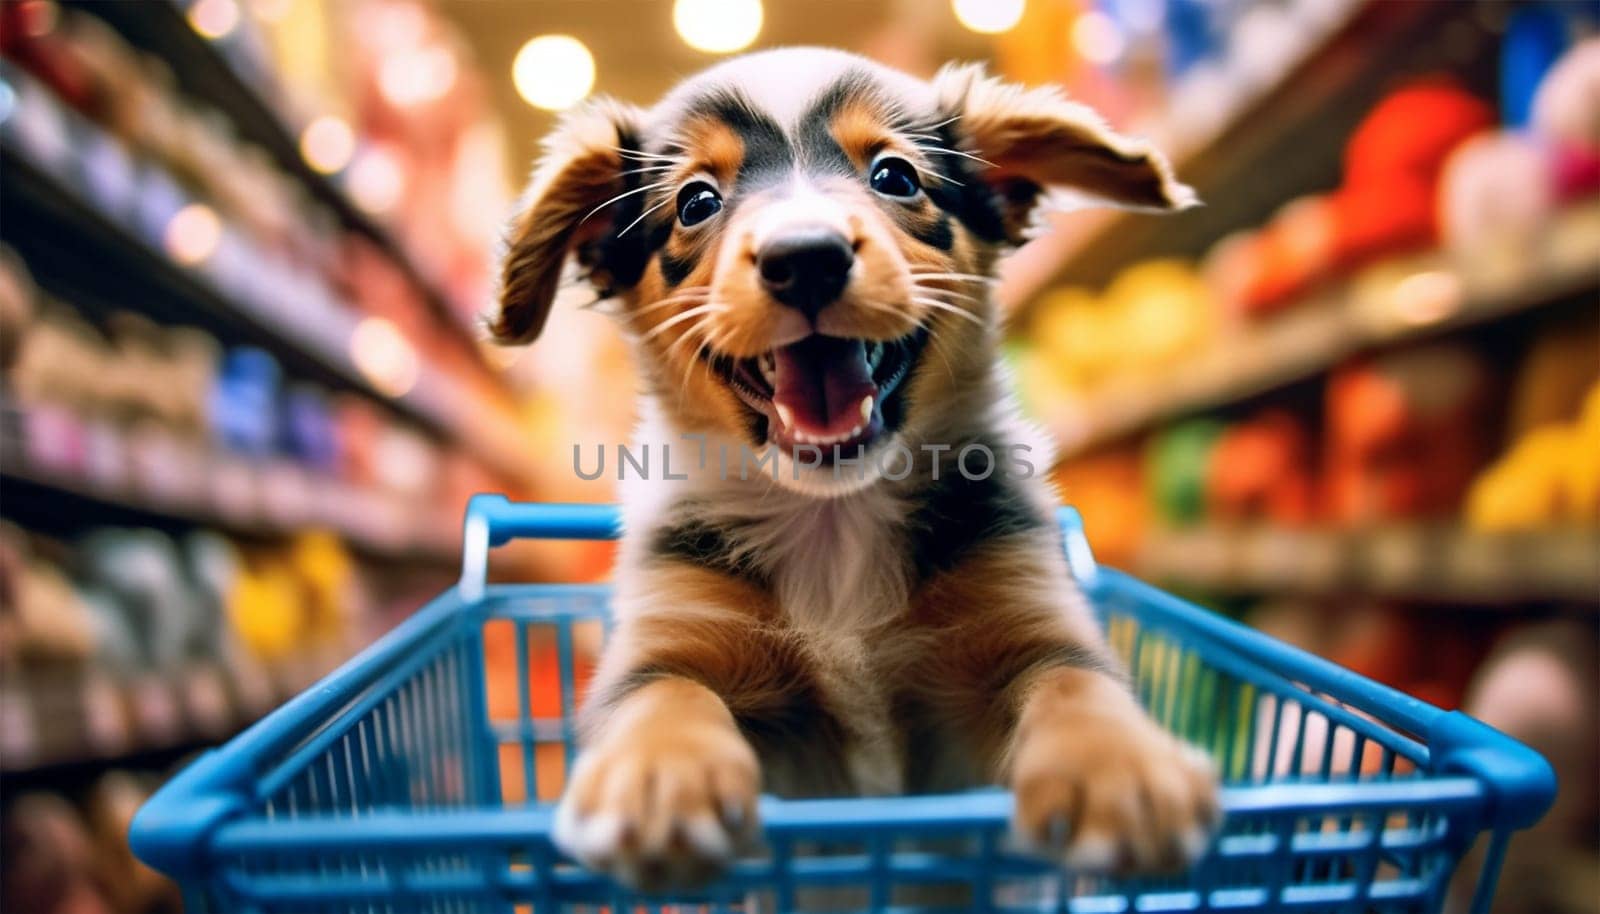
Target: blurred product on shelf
[
  {"x": 1260, "y": 470},
  {"x": 1440, "y": 220},
  {"x": 1538, "y": 686},
  {"x": 1404, "y": 433},
  {"x": 167, "y": 417},
  {"x": 1548, "y": 478},
  {"x": 129, "y": 639},
  {"x": 152, "y": 163},
  {"x": 69, "y": 854},
  {"x": 1392, "y": 166},
  {"x": 1178, "y": 463},
  {"x": 1548, "y": 475}
]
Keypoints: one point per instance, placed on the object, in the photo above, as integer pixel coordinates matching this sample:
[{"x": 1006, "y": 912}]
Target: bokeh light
[
  {"x": 192, "y": 234},
  {"x": 377, "y": 180},
  {"x": 418, "y": 76},
  {"x": 327, "y": 144},
  {"x": 1427, "y": 297},
  {"x": 717, "y": 26},
  {"x": 1097, "y": 38},
  {"x": 989, "y": 17},
  {"x": 384, "y": 357},
  {"x": 553, "y": 72},
  {"x": 214, "y": 18}
]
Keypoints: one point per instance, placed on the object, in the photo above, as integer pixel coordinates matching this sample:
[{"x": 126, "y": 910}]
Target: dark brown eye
[
  {"x": 698, "y": 202},
  {"x": 894, "y": 177}
]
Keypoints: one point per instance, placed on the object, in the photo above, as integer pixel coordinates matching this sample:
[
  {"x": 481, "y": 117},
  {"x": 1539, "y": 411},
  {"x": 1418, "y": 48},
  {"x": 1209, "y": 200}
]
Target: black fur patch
[
  {"x": 959, "y": 512},
  {"x": 818, "y": 148},
  {"x": 766, "y": 152},
  {"x": 613, "y": 260},
  {"x": 963, "y": 194},
  {"x": 675, "y": 269},
  {"x": 936, "y": 234},
  {"x": 704, "y": 545}
]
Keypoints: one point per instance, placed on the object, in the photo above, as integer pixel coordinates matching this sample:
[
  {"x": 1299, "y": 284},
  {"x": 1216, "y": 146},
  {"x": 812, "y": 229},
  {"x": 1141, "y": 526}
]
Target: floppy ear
[
  {"x": 582, "y": 167},
  {"x": 1035, "y": 148}
]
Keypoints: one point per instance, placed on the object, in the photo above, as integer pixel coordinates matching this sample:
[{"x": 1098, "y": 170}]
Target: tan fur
[
  {"x": 1097, "y": 778},
  {"x": 580, "y": 167},
  {"x": 1038, "y": 135},
  {"x": 812, "y": 656}
]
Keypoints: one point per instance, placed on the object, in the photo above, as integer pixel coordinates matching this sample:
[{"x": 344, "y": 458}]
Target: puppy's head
[{"x": 801, "y": 240}]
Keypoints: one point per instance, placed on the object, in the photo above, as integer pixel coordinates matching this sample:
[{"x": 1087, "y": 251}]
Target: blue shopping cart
[{"x": 396, "y": 784}]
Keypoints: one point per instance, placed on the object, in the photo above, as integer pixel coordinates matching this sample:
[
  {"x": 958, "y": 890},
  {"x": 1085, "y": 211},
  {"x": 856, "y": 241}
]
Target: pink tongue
[{"x": 822, "y": 380}]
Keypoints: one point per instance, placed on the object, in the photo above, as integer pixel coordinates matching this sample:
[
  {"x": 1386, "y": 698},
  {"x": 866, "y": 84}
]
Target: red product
[
  {"x": 1392, "y": 167},
  {"x": 1293, "y": 253},
  {"x": 1386, "y": 216},
  {"x": 1413, "y": 130},
  {"x": 1405, "y": 434},
  {"x": 1261, "y": 469}
]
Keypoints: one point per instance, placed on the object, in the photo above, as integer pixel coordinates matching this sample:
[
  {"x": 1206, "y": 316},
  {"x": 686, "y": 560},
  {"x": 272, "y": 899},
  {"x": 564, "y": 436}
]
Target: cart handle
[{"x": 494, "y": 520}]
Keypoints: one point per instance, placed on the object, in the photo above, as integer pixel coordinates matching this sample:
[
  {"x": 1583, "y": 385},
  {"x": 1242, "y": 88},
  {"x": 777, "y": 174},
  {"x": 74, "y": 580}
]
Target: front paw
[
  {"x": 1105, "y": 793},
  {"x": 661, "y": 810}
]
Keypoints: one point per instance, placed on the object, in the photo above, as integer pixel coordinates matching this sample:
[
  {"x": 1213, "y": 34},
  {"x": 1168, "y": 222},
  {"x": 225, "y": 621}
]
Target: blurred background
[{"x": 244, "y": 245}]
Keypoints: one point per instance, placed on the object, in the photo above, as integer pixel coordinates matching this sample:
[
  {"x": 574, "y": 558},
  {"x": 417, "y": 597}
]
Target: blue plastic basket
[{"x": 384, "y": 787}]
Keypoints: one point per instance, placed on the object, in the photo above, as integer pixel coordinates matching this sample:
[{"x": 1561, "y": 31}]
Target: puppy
[{"x": 834, "y": 591}]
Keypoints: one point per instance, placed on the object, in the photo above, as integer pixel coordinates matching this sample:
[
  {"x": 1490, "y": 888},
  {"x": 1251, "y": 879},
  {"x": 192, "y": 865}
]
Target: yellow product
[
  {"x": 265, "y": 610},
  {"x": 1524, "y": 489},
  {"x": 327, "y": 573},
  {"x": 1069, "y": 336},
  {"x": 1163, "y": 307},
  {"x": 1583, "y": 463}
]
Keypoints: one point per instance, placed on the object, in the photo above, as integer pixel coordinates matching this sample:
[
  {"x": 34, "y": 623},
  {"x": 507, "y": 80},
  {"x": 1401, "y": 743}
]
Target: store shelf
[
  {"x": 232, "y": 75},
  {"x": 161, "y": 481},
  {"x": 1432, "y": 564},
  {"x": 1279, "y": 141},
  {"x": 1402, "y": 300},
  {"x": 52, "y": 717},
  {"x": 60, "y": 219}
]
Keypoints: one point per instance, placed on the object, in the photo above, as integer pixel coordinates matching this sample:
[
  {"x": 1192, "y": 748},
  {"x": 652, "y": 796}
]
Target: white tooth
[
  {"x": 785, "y": 414},
  {"x": 866, "y": 409}
]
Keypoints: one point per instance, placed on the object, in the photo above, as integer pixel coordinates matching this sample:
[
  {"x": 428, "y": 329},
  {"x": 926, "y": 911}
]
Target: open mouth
[{"x": 823, "y": 391}]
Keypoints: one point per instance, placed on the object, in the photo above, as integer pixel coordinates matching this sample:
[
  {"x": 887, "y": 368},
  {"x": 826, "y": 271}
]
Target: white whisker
[
  {"x": 687, "y": 293},
  {"x": 963, "y": 277},
  {"x": 943, "y": 151},
  {"x": 690, "y": 314},
  {"x": 643, "y": 215},
  {"x": 627, "y": 193},
  {"x": 939, "y": 305},
  {"x": 947, "y": 294}
]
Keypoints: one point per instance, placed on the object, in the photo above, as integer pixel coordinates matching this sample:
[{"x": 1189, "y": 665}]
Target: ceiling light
[
  {"x": 214, "y": 18},
  {"x": 553, "y": 72},
  {"x": 989, "y": 17},
  {"x": 327, "y": 144},
  {"x": 717, "y": 26}
]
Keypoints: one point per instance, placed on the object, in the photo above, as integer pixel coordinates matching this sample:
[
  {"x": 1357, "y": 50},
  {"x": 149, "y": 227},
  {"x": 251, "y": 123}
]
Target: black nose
[{"x": 806, "y": 269}]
